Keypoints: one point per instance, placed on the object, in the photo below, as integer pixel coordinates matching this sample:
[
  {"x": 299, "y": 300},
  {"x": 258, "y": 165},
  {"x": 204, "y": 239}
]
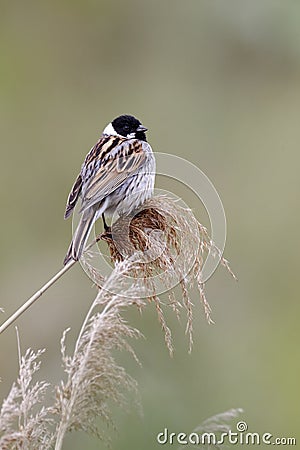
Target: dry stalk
[{"x": 159, "y": 250}]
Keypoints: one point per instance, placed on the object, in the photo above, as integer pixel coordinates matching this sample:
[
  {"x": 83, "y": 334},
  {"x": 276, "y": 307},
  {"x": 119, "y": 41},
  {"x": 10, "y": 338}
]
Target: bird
[{"x": 117, "y": 175}]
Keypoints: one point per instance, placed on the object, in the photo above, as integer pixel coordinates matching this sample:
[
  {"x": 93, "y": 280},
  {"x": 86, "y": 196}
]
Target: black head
[{"x": 130, "y": 127}]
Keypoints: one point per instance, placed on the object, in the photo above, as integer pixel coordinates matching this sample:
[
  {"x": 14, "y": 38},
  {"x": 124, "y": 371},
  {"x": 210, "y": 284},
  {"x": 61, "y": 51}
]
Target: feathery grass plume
[
  {"x": 167, "y": 246},
  {"x": 23, "y": 423},
  {"x": 210, "y": 434},
  {"x": 160, "y": 250},
  {"x": 94, "y": 379}
]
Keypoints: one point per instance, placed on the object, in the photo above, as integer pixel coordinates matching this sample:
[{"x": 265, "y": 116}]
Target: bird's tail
[{"x": 81, "y": 235}]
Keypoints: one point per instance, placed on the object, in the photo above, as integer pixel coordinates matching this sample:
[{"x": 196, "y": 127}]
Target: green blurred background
[{"x": 217, "y": 83}]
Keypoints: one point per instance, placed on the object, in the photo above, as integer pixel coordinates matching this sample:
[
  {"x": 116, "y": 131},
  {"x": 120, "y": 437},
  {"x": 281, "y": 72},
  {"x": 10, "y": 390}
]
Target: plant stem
[
  {"x": 36, "y": 296},
  {"x": 43, "y": 289}
]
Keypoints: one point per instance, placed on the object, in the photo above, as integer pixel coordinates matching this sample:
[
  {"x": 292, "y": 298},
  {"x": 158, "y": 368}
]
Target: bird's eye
[{"x": 126, "y": 127}]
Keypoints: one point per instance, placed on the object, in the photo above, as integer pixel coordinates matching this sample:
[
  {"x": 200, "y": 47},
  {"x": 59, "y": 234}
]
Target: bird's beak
[{"x": 141, "y": 128}]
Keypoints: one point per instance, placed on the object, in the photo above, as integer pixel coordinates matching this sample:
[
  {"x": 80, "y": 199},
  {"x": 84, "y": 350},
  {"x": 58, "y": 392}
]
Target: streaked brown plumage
[{"x": 117, "y": 175}]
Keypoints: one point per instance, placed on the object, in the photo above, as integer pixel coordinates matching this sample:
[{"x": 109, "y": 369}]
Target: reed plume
[{"x": 161, "y": 250}]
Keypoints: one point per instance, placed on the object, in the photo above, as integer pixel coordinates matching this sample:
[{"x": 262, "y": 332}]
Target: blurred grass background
[{"x": 217, "y": 83}]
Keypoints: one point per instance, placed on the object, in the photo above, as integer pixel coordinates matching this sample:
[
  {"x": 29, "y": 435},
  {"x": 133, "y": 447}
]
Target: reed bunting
[{"x": 117, "y": 176}]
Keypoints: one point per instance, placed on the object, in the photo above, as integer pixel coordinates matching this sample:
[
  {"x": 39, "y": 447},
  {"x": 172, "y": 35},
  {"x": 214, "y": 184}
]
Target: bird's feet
[{"x": 107, "y": 229}]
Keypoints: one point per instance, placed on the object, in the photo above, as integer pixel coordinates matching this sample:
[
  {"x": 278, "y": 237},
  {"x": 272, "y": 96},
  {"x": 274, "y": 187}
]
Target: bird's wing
[
  {"x": 107, "y": 167},
  {"x": 73, "y": 196},
  {"x": 77, "y": 186}
]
